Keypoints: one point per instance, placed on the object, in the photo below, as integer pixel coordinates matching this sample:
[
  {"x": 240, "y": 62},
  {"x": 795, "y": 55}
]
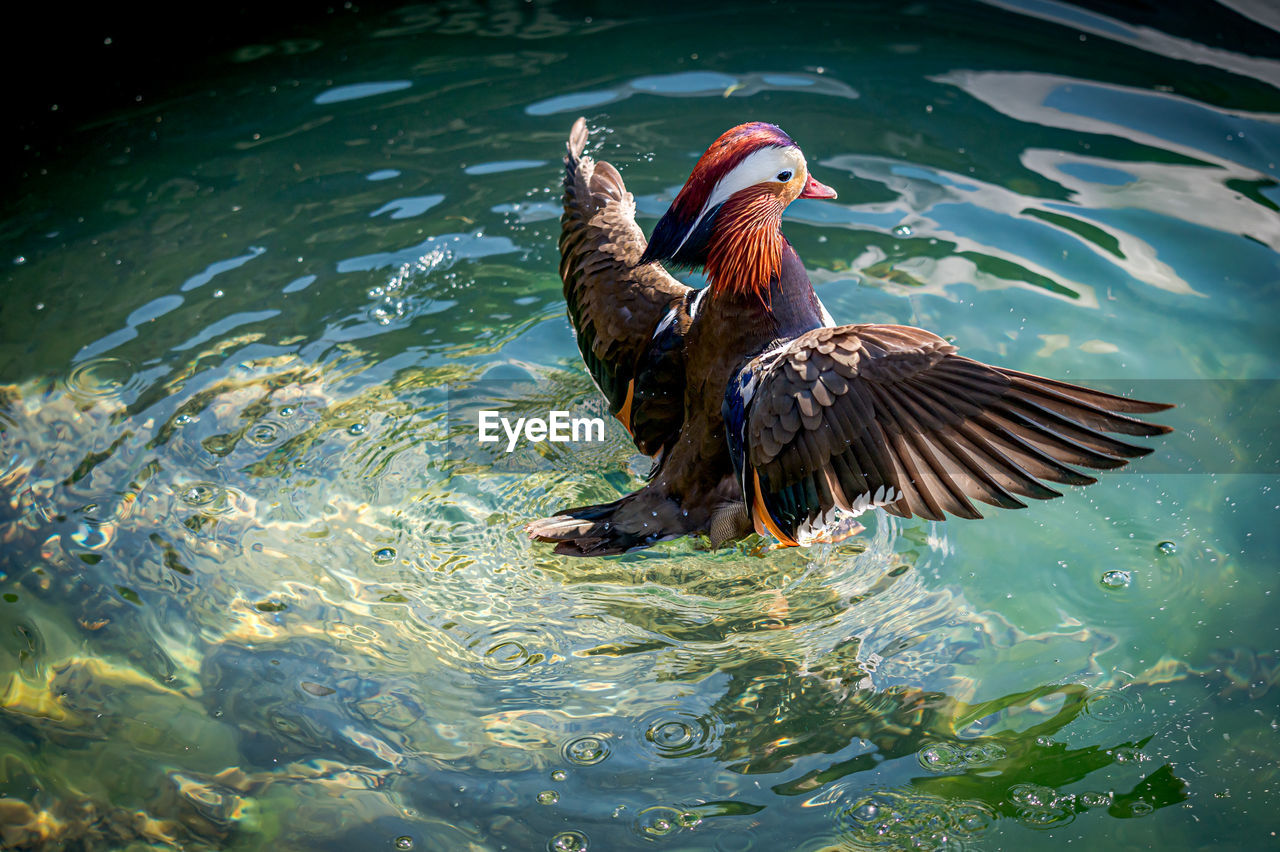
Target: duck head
[{"x": 728, "y": 215}]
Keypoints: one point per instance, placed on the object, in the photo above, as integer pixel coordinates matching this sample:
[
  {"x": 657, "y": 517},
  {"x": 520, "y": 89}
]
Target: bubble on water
[
  {"x": 1166, "y": 548},
  {"x": 1127, "y": 754},
  {"x": 183, "y": 420},
  {"x": 1091, "y": 799},
  {"x": 585, "y": 751},
  {"x": 940, "y": 757},
  {"x": 286, "y": 411},
  {"x": 1116, "y": 579},
  {"x": 1140, "y": 808},
  {"x": 102, "y": 378},
  {"x": 1040, "y": 807},
  {"x": 657, "y": 821},
  {"x": 905, "y": 819},
  {"x": 1032, "y": 795},
  {"x": 548, "y": 797},
  {"x": 404, "y": 841},
  {"x": 19, "y": 260},
  {"x": 559, "y": 775},
  {"x": 568, "y": 841},
  {"x": 1111, "y": 705},
  {"x": 357, "y": 429},
  {"x": 384, "y": 555},
  {"x": 902, "y": 231},
  {"x": 264, "y": 433},
  {"x": 200, "y": 493}
]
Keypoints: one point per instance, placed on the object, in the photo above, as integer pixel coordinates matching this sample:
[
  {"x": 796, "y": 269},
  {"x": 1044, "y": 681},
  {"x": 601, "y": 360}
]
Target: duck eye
[{"x": 784, "y": 175}]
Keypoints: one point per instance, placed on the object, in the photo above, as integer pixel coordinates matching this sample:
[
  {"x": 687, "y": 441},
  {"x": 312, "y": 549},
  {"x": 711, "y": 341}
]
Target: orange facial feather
[{"x": 746, "y": 252}]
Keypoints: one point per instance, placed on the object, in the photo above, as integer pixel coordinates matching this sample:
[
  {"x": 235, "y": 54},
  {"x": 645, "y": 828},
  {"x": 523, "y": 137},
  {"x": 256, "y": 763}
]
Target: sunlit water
[{"x": 251, "y": 600}]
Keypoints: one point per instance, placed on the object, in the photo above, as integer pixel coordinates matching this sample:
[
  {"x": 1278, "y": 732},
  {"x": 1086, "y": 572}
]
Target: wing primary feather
[
  {"x": 1034, "y": 460},
  {"x": 1083, "y": 412},
  {"x": 1107, "y": 401},
  {"x": 1068, "y": 428},
  {"x": 1059, "y": 446}
]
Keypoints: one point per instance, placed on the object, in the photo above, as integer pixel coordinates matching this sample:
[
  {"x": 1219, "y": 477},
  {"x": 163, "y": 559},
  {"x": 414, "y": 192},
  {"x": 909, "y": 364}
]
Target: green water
[{"x": 251, "y": 600}]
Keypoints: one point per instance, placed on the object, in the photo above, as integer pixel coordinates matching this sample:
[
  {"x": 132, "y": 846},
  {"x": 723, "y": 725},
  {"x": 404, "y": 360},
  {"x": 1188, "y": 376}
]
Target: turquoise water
[{"x": 250, "y": 598}]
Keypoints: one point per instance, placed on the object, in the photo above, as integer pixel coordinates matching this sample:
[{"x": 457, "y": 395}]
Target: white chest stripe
[{"x": 697, "y": 302}]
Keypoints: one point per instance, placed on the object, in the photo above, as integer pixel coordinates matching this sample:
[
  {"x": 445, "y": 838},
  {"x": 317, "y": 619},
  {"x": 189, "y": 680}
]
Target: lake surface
[{"x": 256, "y": 592}]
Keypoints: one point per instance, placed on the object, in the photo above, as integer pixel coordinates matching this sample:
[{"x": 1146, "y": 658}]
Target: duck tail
[{"x": 634, "y": 522}]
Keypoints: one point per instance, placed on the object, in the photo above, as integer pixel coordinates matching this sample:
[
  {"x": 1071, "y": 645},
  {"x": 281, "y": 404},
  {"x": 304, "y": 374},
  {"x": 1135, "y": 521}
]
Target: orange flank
[
  {"x": 761, "y": 517},
  {"x": 624, "y": 413}
]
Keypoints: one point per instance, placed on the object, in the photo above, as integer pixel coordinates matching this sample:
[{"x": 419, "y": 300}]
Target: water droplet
[
  {"x": 866, "y": 812},
  {"x": 1166, "y": 548},
  {"x": 183, "y": 420},
  {"x": 586, "y": 751},
  {"x": 384, "y": 555},
  {"x": 1116, "y": 579},
  {"x": 200, "y": 493},
  {"x": 559, "y": 775},
  {"x": 902, "y": 231},
  {"x": 1092, "y": 799},
  {"x": 548, "y": 797},
  {"x": 356, "y": 429},
  {"x": 218, "y": 294},
  {"x": 19, "y": 260},
  {"x": 287, "y": 411},
  {"x": 568, "y": 841},
  {"x": 404, "y": 841}
]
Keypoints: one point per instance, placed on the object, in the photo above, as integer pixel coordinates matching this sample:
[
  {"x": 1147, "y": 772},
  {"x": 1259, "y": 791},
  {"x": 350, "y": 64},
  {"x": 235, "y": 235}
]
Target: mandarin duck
[{"x": 762, "y": 414}]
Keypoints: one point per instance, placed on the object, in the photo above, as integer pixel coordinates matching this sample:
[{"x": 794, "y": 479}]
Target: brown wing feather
[
  {"x": 615, "y": 304},
  {"x": 892, "y": 415}
]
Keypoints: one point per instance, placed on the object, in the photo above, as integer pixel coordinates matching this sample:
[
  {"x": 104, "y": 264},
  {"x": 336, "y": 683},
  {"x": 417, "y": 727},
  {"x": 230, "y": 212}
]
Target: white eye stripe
[{"x": 757, "y": 167}]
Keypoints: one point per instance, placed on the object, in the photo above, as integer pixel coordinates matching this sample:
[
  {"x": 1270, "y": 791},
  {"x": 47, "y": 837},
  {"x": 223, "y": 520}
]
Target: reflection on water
[{"x": 255, "y": 597}]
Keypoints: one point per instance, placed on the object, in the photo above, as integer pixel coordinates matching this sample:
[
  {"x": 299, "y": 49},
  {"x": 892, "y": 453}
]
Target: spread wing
[
  {"x": 862, "y": 415},
  {"x": 615, "y": 303}
]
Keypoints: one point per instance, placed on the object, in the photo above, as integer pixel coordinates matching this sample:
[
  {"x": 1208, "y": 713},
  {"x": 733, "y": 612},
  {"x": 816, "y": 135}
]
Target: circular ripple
[
  {"x": 568, "y": 841},
  {"x": 508, "y": 652},
  {"x": 676, "y": 732},
  {"x": 102, "y": 378},
  {"x": 951, "y": 757},
  {"x": 264, "y": 433},
  {"x": 1111, "y": 705},
  {"x": 211, "y": 498},
  {"x": 585, "y": 751},
  {"x": 1040, "y": 807},
  {"x": 658, "y": 821},
  {"x": 898, "y": 819},
  {"x": 200, "y": 493}
]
